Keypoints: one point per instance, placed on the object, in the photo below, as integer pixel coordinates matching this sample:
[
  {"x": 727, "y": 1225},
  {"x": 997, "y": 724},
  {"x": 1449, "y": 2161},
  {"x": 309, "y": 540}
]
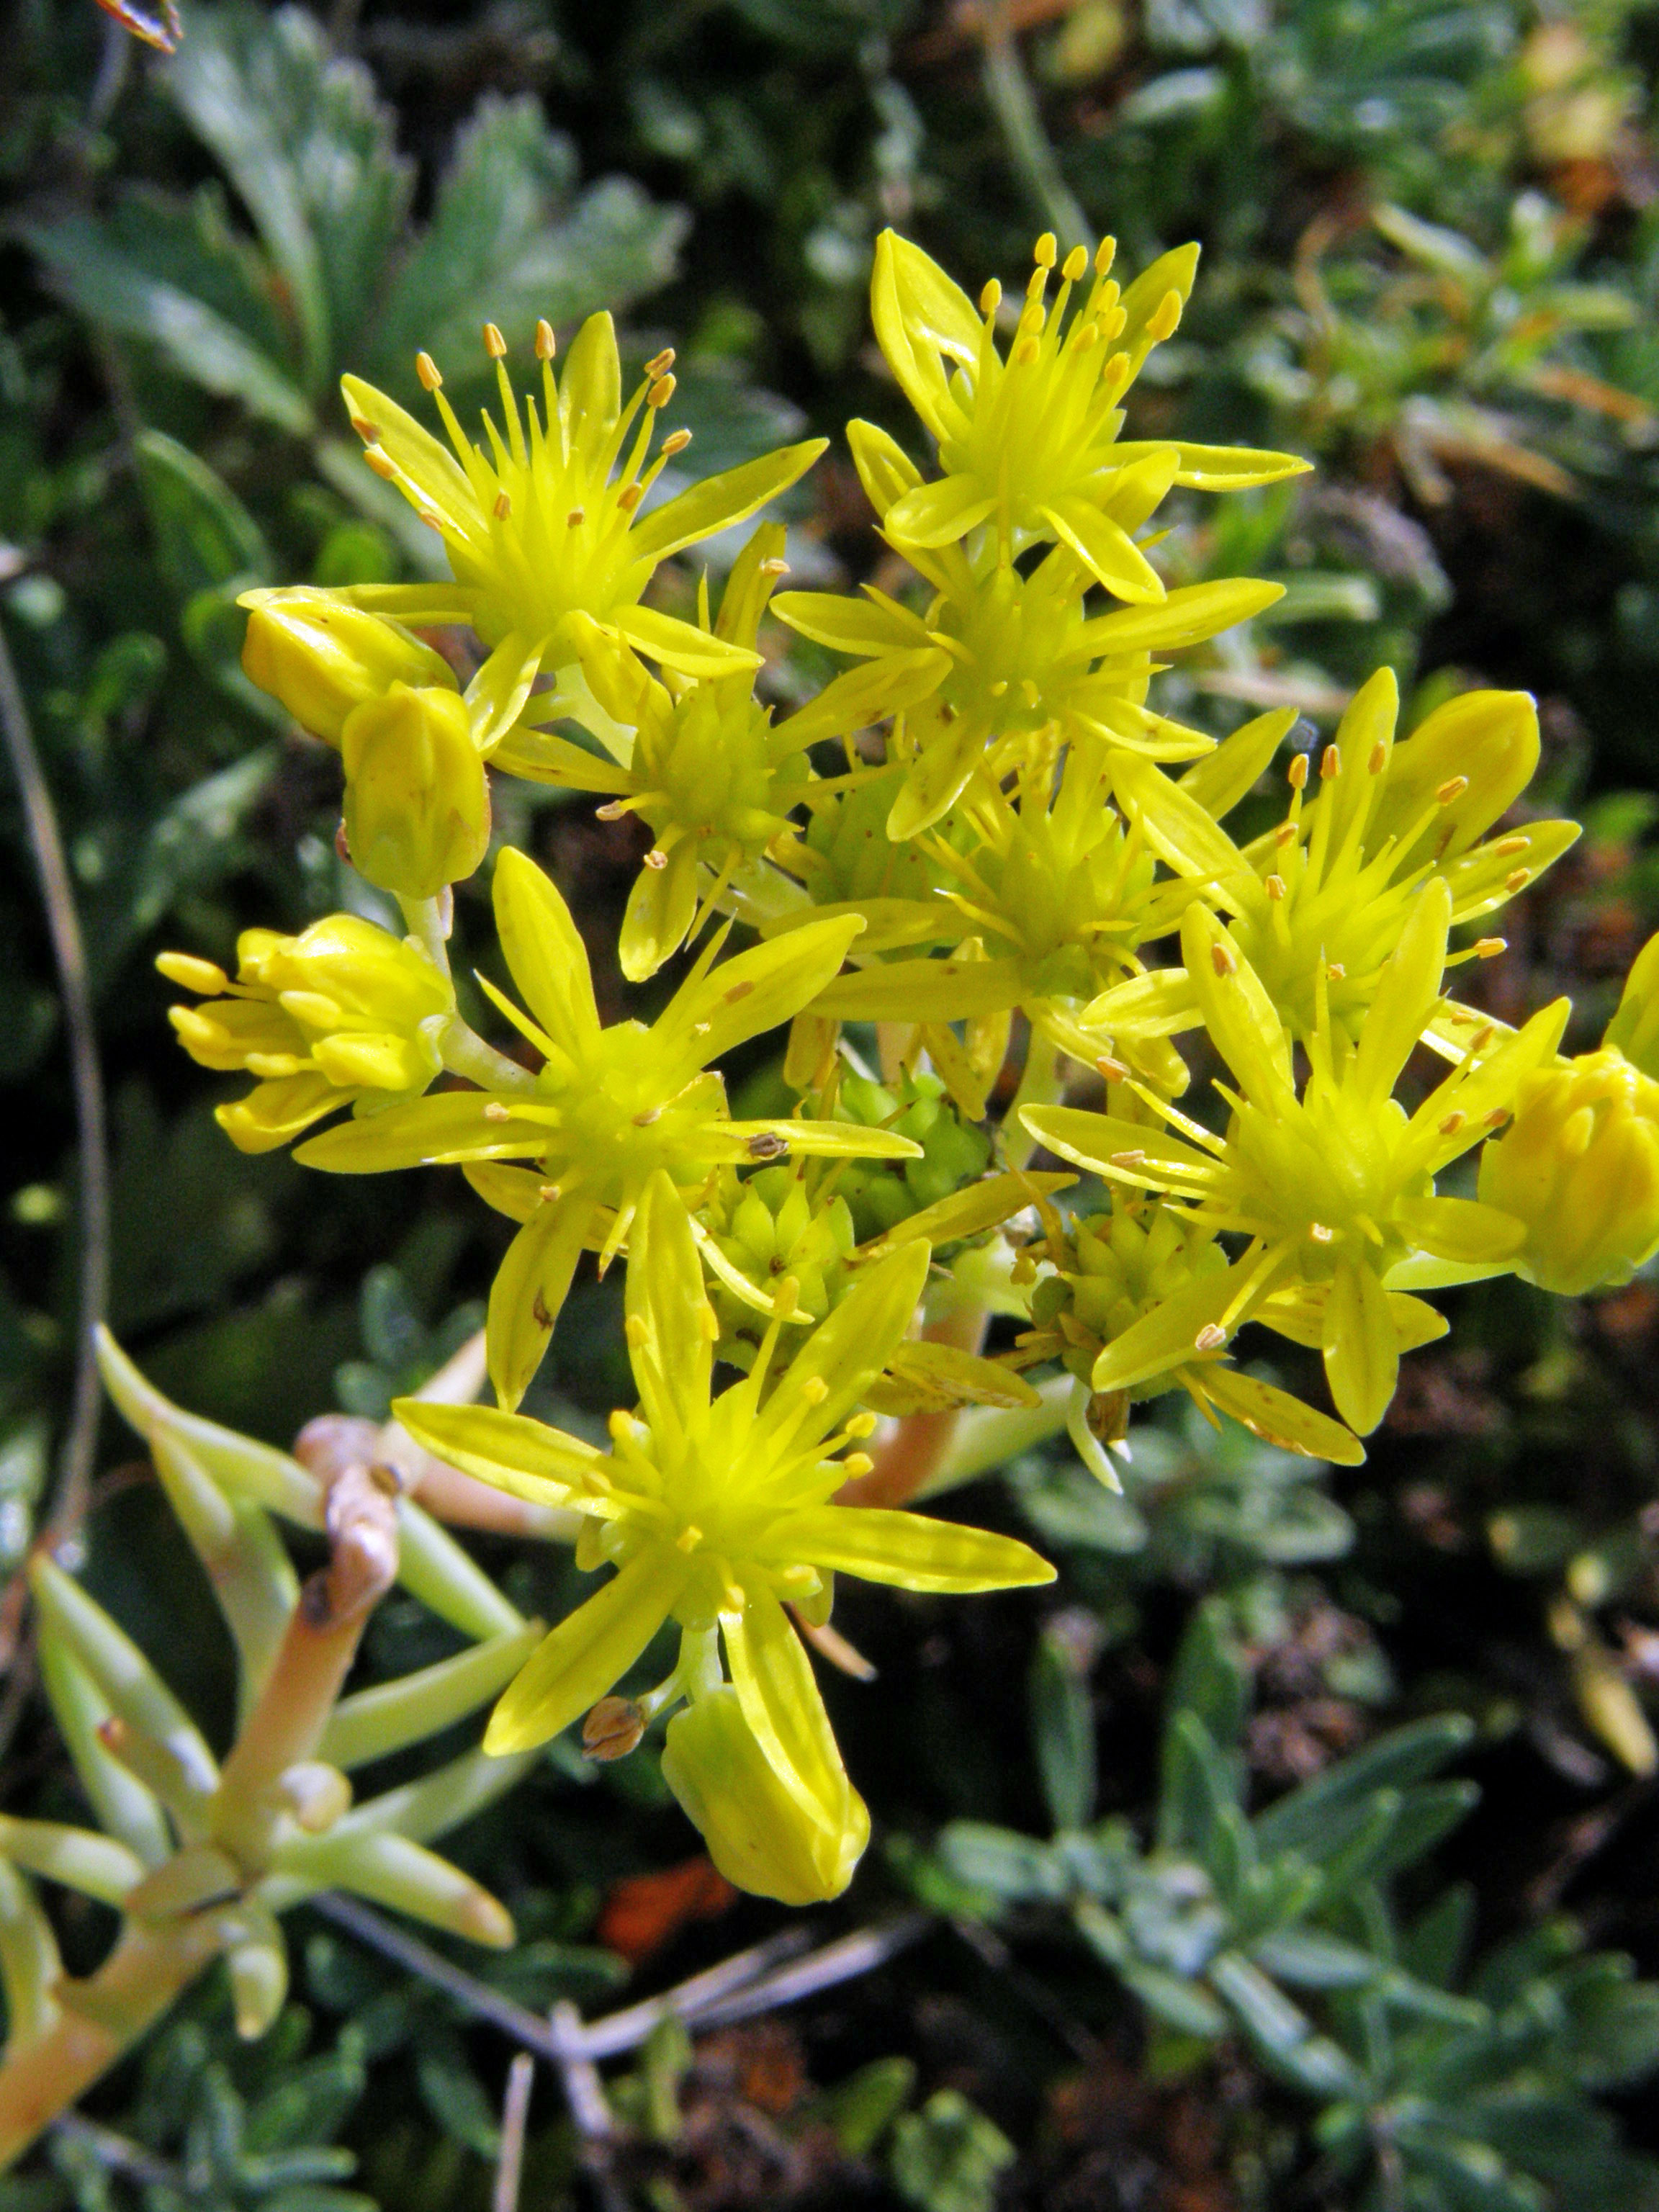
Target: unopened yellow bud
[
  {"x": 417, "y": 800},
  {"x": 322, "y": 660},
  {"x": 757, "y": 1832},
  {"x": 1579, "y": 1165}
]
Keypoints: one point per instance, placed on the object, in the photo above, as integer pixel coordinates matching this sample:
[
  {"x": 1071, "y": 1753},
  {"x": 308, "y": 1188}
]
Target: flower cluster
[{"x": 976, "y": 877}]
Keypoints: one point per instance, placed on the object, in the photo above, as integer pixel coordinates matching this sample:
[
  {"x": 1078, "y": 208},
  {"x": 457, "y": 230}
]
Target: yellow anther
[
  {"x": 629, "y": 497},
  {"x": 1046, "y": 252},
  {"x": 1508, "y": 845},
  {"x": 1517, "y": 879},
  {"x": 546, "y": 345},
  {"x": 688, "y": 1539},
  {"x": 495, "y": 343},
  {"x": 1112, "y": 1070},
  {"x": 1488, "y": 948},
  {"x": 382, "y": 464},
  {"x": 1223, "y": 960},
  {"x": 1335, "y": 970},
  {"x": 1134, "y": 1159},
  {"x": 1105, "y": 254},
  {"x": 1027, "y": 351},
  {"x": 1321, "y": 1234},
  {"x": 660, "y": 392},
  {"x": 1379, "y": 759},
  {"x": 1498, "y": 1116},
  {"x": 368, "y": 432},
  {"x": 990, "y": 298},
  {"x": 495, "y": 1111},
  {"x": 577, "y": 515},
  {"x": 861, "y": 1425},
  {"x": 1210, "y": 1338},
  {"x": 656, "y": 858},
  {"x": 1285, "y": 835},
  {"x": 1165, "y": 318},
  {"x": 1452, "y": 1124},
  {"x": 774, "y": 567},
  {"x": 1074, "y": 264},
  {"x": 857, "y": 1464},
  {"x": 1087, "y": 338},
  {"x": 676, "y": 442},
  {"x": 1330, "y": 763},
  {"x": 1275, "y": 887},
  {"x": 427, "y": 370},
  {"x": 1452, "y": 790},
  {"x": 621, "y": 1426},
  {"x": 1036, "y": 285},
  {"x": 815, "y": 1389},
  {"x": 1298, "y": 772},
  {"x": 659, "y": 364},
  {"x": 430, "y": 517},
  {"x": 503, "y": 506}
]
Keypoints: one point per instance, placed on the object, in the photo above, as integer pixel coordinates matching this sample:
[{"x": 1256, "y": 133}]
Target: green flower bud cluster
[{"x": 953, "y": 1152}]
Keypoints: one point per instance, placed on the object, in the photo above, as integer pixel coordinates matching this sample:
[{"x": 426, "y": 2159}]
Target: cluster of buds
[{"x": 949, "y": 875}]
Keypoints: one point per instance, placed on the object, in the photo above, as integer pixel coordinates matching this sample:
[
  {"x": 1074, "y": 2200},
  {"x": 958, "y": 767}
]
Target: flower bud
[
  {"x": 758, "y": 1835},
  {"x": 336, "y": 1015},
  {"x": 322, "y": 659},
  {"x": 1579, "y": 1165},
  {"x": 417, "y": 800}
]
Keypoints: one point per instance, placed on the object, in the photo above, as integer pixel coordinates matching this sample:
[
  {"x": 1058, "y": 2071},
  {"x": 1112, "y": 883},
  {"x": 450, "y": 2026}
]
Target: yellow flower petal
[
  {"x": 1242, "y": 1019},
  {"x": 756, "y": 992},
  {"x": 1278, "y": 1418},
  {"x": 527, "y": 1459},
  {"x": 544, "y": 950},
  {"x": 1361, "y": 1349},
  {"x": 1406, "y": 994},
  {"x": 1106, "y": 549},
  {"x": 1223, "y": 468},
  {"x": 529, "y": 1287},
  {"x": 669, "y": 1316},
  {"x": 1133, "y": 1152},
  {"x": 775, "y": 1686},
  {"x": 939, "y": 513},
  {"x": 828, "y": 1376},
  {"x": 580, "y": 1660},
  {"x": 456, "y": 1125},
  {"x": 720, "y": 501},
  {"x": 910, "y": 1549}
]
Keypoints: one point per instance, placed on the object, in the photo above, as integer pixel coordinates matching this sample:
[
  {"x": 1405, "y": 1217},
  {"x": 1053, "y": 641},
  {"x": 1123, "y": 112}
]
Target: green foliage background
[{"x": 1153, "y": 1978}]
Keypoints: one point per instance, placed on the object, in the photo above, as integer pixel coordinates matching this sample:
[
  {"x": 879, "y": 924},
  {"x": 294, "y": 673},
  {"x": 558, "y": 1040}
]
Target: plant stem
[
  {"x": 101, "y": 2019},
  {"x": 466, "y": 1053},
  {"x": 1014, "y": 103},
  {"x": 69, "y": 951},
  {"x": 515, "y": 2114}
]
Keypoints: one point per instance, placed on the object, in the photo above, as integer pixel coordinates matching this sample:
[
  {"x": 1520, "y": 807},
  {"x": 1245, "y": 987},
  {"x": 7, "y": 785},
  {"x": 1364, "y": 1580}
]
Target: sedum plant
[
  {"x": 1435, "y": 2081},
  {"x": 199, "y": 1856},
  {"x": 974, "y": 889}
]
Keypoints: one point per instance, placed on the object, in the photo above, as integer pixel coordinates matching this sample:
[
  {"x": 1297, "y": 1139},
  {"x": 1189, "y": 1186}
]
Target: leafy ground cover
[{"x": 1296, "y": 1847}]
